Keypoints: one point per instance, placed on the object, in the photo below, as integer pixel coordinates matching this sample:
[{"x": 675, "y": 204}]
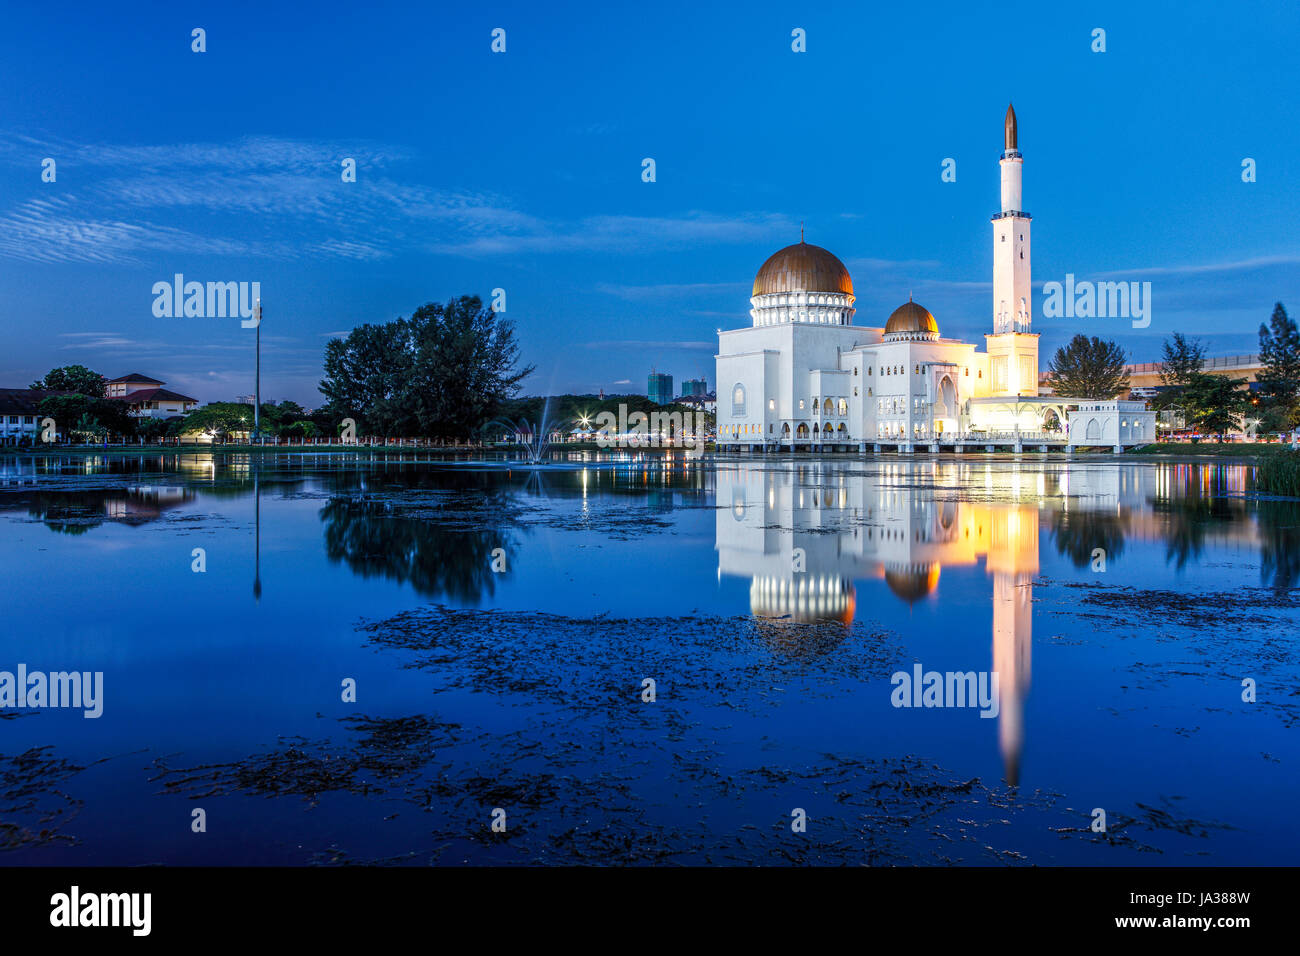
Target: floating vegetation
[{"x": 33, "y": 807}]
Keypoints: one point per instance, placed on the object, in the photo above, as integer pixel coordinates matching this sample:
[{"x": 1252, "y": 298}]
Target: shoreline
[{"x": 1231, "y": 452}]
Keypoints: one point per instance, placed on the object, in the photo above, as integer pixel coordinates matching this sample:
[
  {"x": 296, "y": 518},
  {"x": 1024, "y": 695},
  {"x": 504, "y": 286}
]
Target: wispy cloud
[
  {"x": 639, "y": 293},
  {"x": 275, "y": 198},
  {"x": 1208, "y": 268},
  {"x": 640, "y": 344},
  {"x": 622, "y": 234}
]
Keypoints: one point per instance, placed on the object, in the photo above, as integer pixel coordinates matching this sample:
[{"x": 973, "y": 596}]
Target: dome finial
[
  {"x": 801, "y": 230},
  {"x": 1009, "y": 129}
]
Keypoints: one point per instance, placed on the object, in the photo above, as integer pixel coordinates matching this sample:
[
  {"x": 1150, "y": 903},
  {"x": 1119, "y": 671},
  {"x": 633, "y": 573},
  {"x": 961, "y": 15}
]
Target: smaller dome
[{"x": 911, "y": 317}]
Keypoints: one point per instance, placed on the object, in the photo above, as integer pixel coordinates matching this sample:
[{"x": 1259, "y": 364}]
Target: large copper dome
[
  {"x": 914, "y": 582},
  {"x": 911, "y": 317},
  {"x": 803, "y": 268}
]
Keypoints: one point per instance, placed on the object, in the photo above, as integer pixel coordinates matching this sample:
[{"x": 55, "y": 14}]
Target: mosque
[{"x": 804, "y": 377}]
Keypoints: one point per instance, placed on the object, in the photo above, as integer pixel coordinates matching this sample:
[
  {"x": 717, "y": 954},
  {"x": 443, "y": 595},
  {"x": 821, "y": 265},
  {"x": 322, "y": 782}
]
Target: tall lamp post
[{"x": 257, "y": 378}]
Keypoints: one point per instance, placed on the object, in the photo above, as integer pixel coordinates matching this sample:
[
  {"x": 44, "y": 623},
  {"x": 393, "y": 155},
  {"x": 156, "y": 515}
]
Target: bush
[{"x": 1279, "y": 474}]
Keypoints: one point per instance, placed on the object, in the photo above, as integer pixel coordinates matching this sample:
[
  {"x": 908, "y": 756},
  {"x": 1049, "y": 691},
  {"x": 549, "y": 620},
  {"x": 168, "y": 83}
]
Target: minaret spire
[{"x": 1013, "y": 347}]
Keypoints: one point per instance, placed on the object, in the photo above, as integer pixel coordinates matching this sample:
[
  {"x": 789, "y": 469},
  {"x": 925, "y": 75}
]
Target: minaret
[{"x": 1013, "y": 349}]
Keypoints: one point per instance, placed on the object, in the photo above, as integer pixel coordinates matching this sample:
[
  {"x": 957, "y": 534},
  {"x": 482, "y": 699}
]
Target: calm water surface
[{"x": 1121, "y": 604}]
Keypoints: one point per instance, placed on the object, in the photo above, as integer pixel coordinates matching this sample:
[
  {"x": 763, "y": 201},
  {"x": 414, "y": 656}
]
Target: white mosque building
[{"x": 803, "y": 376}]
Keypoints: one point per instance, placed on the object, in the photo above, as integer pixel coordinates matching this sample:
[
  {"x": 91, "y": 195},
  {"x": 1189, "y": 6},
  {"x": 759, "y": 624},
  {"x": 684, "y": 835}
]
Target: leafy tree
[
  {"x": 1184, "y": 358},
  {"x": 219, "y": 419},
  {"x": 73, "y": 378},
  {"x": 300, "y": 429},
  {"x": 88, "y": 428},
  {"x": 150, "y": 428},
  {"x": 367, "y": 376},
  {"x": 69, "y": 410},
  {"x": 1215, "y": 403},
  {"x": 1279, "y": 378},
  {"x": 1088, "y": 368},
  {"x": 442, "y": 373}
]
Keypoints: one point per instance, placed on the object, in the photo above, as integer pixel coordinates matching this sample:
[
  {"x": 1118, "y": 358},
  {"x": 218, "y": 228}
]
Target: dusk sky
[{"x": 522, "y": 170}]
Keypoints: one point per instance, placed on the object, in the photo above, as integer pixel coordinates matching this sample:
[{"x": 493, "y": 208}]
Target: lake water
[{"x": 499, "y": 625}]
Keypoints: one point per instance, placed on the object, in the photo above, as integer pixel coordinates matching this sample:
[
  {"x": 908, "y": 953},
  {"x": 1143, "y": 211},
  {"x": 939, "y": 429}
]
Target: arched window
[
  {"x": 738, "y": 400},
  {"x": 827, "y": 407}
]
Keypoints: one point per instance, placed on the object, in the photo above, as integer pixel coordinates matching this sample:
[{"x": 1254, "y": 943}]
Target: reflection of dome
[
  {"x": 803, "y": 599},
  {"x": 912, "y": 320},
  {"x": 802, "y": 268},
  {"x": 913, "y": 582}
]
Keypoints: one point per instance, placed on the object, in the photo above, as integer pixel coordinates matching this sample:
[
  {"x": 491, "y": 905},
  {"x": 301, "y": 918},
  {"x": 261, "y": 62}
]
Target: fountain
[{"x": 534, "y": 437}]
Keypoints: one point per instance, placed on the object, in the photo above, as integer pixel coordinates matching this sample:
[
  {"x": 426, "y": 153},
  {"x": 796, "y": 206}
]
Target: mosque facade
[{"x": 804, "y": 376}]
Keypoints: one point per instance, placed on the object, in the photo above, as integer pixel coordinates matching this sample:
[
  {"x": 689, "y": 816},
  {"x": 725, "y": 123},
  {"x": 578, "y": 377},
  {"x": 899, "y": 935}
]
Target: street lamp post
[{"x": 257, "y": 377}]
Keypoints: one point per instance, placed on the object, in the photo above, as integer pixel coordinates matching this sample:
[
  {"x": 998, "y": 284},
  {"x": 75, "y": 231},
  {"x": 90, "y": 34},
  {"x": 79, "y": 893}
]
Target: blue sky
[{"x": 522, "y": 171}]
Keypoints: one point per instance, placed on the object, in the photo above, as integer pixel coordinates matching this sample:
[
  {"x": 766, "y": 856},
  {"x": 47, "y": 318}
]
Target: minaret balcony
[{"x": 1011, "y": 214}]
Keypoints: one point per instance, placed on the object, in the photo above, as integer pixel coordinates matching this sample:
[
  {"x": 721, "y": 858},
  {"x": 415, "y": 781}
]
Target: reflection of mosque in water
[{"x": 804, "y": 533}]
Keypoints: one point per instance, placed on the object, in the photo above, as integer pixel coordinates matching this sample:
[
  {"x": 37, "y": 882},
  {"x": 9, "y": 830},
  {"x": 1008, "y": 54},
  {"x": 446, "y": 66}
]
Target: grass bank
[{"x": 1247, "y": 451}]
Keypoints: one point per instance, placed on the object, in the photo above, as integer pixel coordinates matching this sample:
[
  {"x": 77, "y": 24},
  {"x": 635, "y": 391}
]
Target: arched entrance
[{"x": 947, "y": 398}]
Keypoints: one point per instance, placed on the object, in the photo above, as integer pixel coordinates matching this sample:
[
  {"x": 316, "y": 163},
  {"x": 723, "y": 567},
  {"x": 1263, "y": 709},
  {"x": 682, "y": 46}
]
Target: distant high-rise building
[
  {"x": 659, "y": 387},
  {"x": 695, "y": 386}
]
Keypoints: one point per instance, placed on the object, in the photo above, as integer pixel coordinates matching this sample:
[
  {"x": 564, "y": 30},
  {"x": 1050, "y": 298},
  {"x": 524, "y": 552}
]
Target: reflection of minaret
[{"x": 1013, "y": 561}]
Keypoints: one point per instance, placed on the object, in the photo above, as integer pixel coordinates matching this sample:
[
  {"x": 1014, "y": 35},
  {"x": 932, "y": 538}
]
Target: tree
[
  {"x": 151, "y": 428},
  {"x": 304, "y": 428},
  {"x": 88, "y": 428},
  {"x": 218, "y": 419},
  {"x": 442, "y": 373},
  {"x": 68, "y": 411},
  {"x": 1088, "y": 368},
  {"x": 1215, "y": 403},
  {"x": 72, "y": 378},
  {"x": 367, "y": 376},
  {"x": 1279, "y": 376},
  {"x": 1183, "y": 359}
]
